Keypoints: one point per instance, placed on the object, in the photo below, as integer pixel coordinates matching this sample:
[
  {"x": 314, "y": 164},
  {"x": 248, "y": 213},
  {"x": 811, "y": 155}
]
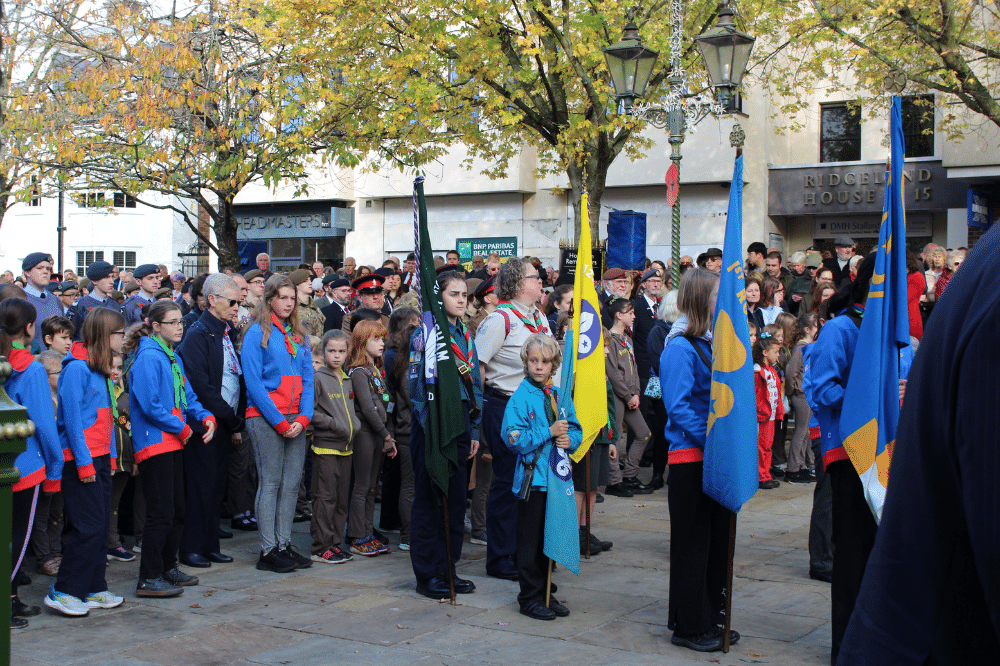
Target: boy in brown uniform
[{"x": 334, "y": 426}]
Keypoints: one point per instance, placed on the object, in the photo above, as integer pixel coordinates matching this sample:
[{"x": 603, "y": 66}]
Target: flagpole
[
  {"x": 586, "y": 503},
  {"x": 447, "y": 549},
  {"x": 548, "y": 586},
  {"x": 727, "y": 620}
]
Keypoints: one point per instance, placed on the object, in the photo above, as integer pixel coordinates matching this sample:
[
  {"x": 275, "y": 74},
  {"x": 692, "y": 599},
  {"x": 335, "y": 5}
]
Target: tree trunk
[{"x": 225, "y": 233}]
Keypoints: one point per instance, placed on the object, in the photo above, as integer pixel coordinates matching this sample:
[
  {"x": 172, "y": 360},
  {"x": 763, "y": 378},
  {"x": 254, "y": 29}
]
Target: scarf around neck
[
  {"x": 291, "y": 341},
  {"x": 180, "y": 398}
]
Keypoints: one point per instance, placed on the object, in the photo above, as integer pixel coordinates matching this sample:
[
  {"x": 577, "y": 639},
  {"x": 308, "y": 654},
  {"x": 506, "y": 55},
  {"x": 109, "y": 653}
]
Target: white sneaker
[
  {"x": 103, "y": 600},
  {"x": 479, "y": 540},
  {"x": 64, "y": 603}
]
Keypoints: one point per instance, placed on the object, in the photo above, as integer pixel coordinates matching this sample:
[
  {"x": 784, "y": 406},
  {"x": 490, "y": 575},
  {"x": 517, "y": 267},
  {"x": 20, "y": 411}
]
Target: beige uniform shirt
[{"x": 501, "y": 351}]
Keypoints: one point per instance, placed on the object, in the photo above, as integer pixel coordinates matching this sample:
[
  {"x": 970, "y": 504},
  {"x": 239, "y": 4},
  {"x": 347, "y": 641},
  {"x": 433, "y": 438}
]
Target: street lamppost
[{"x": 726, "y": 52}]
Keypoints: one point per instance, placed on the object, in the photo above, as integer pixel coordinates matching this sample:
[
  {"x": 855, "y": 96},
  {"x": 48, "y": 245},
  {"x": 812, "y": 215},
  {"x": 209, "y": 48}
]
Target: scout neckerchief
[
  {"x": 463, "y": 357},
  {"x": 551, "y": 404},
  {"x": 290, "y": 340},
  {"x": 180, "y": 398},
  {"x": 537, "y": 327},
  {"x": 18, "y": 345}
]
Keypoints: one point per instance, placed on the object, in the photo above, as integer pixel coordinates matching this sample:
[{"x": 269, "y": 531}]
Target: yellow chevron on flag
[{"x": 589, "y": 396}]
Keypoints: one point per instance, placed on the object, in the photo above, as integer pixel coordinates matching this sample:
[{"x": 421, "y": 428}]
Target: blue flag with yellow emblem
[
  {"x": 870, "y": 413},
  {"x": 730, "y": 468}
]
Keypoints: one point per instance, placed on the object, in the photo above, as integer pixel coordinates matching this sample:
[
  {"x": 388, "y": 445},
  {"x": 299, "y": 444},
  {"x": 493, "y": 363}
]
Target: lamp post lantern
[{"x": 726, "y": 52}]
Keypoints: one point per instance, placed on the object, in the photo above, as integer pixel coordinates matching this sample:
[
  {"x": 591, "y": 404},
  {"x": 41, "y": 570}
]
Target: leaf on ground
[
  {"x": 638, "y": 506},
  {"x": 400, "y": 626},
  {"x": 195, "y": 606}
]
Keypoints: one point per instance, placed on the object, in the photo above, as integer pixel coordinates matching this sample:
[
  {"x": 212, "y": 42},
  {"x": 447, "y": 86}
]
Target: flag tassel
[{"x": 727, "y": 620}]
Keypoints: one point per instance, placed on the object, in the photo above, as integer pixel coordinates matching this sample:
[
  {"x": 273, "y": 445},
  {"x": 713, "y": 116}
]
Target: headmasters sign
[
  {"x": 296, "y": 219},
  {"x": 857, "y": 188}
]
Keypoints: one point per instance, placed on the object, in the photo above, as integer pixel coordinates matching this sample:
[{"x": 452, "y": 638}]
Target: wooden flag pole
[
  {"x": 447, "y": 548},
  {"x": 586, "y": 502},
  {"x": 548, "y": 586},
  {"x": 727, "y": 620}
]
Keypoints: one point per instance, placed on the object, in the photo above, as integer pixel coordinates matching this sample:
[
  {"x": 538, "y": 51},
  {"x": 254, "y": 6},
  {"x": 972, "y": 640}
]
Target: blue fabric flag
[
  {"x": 730, "y": 467},
  {"x": 562, "y": 537},
  {"x": 870, "y": 414}
]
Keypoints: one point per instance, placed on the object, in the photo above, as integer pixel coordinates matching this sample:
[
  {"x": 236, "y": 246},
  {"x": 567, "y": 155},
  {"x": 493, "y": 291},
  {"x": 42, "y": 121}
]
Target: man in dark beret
[
  {"x": 101, "y": 276},
  {"x": 340, "y": 303},
  {"x": 37, "y": 268},
  {"x": 147, "y": 276}
]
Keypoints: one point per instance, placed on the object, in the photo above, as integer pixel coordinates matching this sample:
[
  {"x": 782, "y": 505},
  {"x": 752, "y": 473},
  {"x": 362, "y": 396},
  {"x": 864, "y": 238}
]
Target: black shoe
[
  {"x": 801, "y": 476},
  {"x": 618, "y": 490},
  {"x": 301, "y": 561},
  {"x": 734, "y": 636},
  {"x": 594, "y": 549},
  {"x": 769, "y": 485},
  {"x": 597, "y": 543},
  {"x": 20, "y": 609},
  {"x": 636, "y": 486},
  {"x": 225, "y": 534},
  {"x": 505, "y": 574},
  {"x": 18, "y": 622},
  {"x": 824, "y": 576},
  {"x": 276, "y": 561},
  {"x": 194, "y": 560},
  {"x": 435, "y": 588},
  {"x": 23, "y": 578},
  {"x": 463, "y": 586},
  {"x": 157, "y": 587},
  {"x": 536, "y": 610},
  {"x": 707, "y": 642},
  {"x": 656, "y": 482},
  {"x": 303, "y": 516},
  {"x": 243, "y": 523},
  {"x": 557, "y": 608},
  {"x": 219, "y": 558},
  {"x": 645, "y": 463},
  {"x": 177, "y": 577},
  {"x": 600, "y": 498}
]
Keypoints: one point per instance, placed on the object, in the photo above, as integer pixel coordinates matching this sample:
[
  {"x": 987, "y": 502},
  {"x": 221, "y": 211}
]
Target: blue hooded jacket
[
  {"x": 525, "y": 428},
  {"x": 42, "y": 460}
]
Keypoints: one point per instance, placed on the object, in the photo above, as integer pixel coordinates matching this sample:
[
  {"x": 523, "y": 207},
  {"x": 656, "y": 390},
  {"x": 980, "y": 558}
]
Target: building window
[
  {"x": 124, "y": 200},
  {"x": 918, "y": 125},
  {"x": 90, "y": 200},
  {"x": 36, "y": 195},
  {"x": 86, "y": 258},
  {"x": 840, "y": 133},
  {"x": 124, "y": 260}
]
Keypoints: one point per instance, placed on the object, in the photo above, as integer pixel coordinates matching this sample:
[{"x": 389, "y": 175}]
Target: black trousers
[
  {"x": 854, "y": 531},
  {"x": 20, "y": 527},
  {"x": 699, "y": 547},
  {"x": 821, "y": 521},
  {"x": 501, "y": 504},
  {"x": 163, "y": 488},
  {"x": 532, "y": 563},
  {"x": 661, "y": 447},
  {"x": 428, "y": 554},
  {"x": 241, "y": 489},
  {"x": 205, "y": 470},
  {"x": 88, "y": 515}
]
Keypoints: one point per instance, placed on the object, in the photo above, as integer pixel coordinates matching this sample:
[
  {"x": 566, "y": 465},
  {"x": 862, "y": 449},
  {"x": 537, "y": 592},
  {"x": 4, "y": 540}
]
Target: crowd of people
[{"x": 266, "y": 399}]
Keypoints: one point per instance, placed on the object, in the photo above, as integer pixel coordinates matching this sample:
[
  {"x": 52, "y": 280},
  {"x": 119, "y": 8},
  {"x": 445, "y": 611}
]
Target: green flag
[{"x": 444, "y": 423}]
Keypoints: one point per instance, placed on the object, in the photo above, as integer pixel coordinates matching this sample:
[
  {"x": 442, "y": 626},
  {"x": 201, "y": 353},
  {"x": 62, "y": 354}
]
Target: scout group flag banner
[
  {"x": 730, "y": 467},
  {"x": 445, "y": 422},
  {"x": 589, "y": 395},
  {"x": 870, "y": 413}
]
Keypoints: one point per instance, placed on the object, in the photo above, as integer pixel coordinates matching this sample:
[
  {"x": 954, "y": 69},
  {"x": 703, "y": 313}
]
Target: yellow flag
[{"x": 589, "y": 387}]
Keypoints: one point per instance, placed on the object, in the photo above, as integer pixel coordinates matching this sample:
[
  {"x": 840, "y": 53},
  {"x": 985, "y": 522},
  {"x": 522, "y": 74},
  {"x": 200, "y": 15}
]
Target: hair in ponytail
[
  {"x": 156, "y": 312},
  {"x": 15, "y": 315}
]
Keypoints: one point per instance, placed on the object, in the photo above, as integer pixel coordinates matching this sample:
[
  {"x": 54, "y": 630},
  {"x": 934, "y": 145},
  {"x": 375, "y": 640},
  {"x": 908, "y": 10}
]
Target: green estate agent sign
[{"x": 505, "y": 246}]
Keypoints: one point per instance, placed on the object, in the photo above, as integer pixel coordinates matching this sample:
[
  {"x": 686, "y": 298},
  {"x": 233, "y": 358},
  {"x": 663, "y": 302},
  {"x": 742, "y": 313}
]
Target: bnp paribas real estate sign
[{"x": 504, "y": 246}]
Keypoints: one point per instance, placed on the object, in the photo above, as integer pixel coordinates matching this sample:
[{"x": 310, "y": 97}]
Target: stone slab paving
[{"x": 366, "y": 611}]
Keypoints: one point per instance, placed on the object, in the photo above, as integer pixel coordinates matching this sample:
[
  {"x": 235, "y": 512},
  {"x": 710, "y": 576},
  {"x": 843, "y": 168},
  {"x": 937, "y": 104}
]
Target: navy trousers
[
  {"x": 205, "y": 471},
  {"x": 88, "y": 517},
  {"x": 428, "y": 554},
  {"x": 501, "y": 504}
]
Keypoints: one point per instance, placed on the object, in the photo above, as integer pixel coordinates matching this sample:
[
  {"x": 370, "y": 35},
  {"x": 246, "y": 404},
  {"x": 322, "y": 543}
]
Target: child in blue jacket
[
  {"x": 85, "y": 421},
  {"x": 531, "y": 426},
  {"x": 159, "y": 433},
  {"x": 41, "y": 462}
]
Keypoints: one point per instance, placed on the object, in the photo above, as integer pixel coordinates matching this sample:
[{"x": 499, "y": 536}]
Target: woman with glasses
[
  {"x": 159, "y": 433},
  {"x": 772, "y": 293}
]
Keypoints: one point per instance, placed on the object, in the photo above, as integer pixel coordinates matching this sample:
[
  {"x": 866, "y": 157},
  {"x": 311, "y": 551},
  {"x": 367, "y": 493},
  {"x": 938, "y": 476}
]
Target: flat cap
[{"x": 843, "y": 241}]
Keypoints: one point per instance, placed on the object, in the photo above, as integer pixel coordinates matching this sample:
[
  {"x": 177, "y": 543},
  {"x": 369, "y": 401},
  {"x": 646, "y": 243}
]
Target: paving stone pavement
[{"x": 367, "y": 611}]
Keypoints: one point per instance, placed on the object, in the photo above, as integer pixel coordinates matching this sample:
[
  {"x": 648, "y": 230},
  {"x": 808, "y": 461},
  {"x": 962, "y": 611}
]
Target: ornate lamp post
[
  {"x": 726, "y": 52},
  {"x": 15, "y": 428}
]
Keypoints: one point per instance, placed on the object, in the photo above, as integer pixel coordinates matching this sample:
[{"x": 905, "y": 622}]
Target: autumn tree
[
  {"x": 28, "y": 42},
  {"x": 499, "y": 75},
  {"x": 949, "y": 48},
  {"x": 187, "y": 104}
]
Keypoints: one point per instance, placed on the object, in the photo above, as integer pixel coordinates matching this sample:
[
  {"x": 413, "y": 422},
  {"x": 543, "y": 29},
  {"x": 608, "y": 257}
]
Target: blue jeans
[{"x": 279, "y": 469}]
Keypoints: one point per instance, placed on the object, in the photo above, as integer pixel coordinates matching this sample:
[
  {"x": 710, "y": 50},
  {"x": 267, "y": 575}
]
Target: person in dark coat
[
  {"x": 214, "y": 371},
  {"x": 841, "y": 264},
  {"x": 929, "y": 593},
  {"x": 645, "y": 305},
  {"x": 340, "y": 306}
]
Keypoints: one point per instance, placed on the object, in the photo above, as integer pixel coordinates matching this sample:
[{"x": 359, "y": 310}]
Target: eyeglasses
[
  {"x": 531, "y": 277},
  {"x": 121, "y": 333},
  {"x": 173, "y": 322},
  {"x": 231, "y": 301}
]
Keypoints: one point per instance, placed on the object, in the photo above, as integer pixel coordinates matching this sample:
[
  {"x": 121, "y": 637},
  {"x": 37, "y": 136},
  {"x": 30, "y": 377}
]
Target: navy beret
[
  {"x": 34, "y": 259},
  {"x": 339, "y": 282},
  {"x": 99, "y": 270},
  {"x": 144, "y": 270}
]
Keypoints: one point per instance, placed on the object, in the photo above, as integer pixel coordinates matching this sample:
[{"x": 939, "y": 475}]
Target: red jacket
[{"x": 768, "y": 401}]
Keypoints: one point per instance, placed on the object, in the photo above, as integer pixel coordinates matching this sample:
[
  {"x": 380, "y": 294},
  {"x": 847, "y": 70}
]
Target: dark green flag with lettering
[{"x": 443, "y": 409}]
